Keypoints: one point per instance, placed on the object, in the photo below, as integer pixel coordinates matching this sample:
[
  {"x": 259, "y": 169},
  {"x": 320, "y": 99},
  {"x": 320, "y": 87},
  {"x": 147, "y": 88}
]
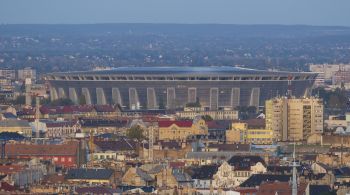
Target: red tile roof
[
  {"x": 10, "y": 169},
  {"x": 68, "y": 149},
  {"x": 177, "y": 123}
]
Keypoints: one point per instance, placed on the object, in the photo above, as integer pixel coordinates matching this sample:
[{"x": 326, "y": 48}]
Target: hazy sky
[{"x": 313, "y": 12}]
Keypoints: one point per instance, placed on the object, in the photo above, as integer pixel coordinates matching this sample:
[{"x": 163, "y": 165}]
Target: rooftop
[{"x": 178, "y": 70}]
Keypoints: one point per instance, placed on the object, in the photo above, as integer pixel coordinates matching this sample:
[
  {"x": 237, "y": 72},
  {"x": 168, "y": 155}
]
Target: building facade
[
  {"x": 180, "y": 130},
  {"x": 173, "y": 87},
  {"x": 294, "y": 119},
  {"x": 189, "y": 113},
  {"x": 240, "y": 133}
]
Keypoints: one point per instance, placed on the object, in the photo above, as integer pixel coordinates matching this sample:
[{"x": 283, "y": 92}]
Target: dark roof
[
  {"x": 342, "y": 172},
  {"x": 319, "y": 189},
  {"x": 257, "y": 179},
  {"x": 169, "y": 144},
  {"x": 145, "y": 176},
  {"x": 181, "y": 176},
  {"x": 97, "y": 190},
  {"x": 14, "y": 123},
  {"x": 11, "y": 136},
  {"x": 147, "y": 189},
  {"x": 205, "y": 172},
  {"x": 218, "y": 125},
  {"x": 119, "y": 145},
  {"x": 9, "y": 115},
  {"x": 230, "y": 147},
  {"x": 245, "y": 162},
  {"x": 104, "y": 108},
  {"x": 89, "y": 174}
]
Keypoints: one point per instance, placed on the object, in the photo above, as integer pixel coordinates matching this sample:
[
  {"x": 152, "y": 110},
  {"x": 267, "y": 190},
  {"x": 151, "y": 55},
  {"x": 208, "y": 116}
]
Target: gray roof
[
  {"x": 89, "y": 174},
  {"x": 14, "y": 123},
  {"x": 181, "y": 70},
  {"x": 143, "y": 175}
]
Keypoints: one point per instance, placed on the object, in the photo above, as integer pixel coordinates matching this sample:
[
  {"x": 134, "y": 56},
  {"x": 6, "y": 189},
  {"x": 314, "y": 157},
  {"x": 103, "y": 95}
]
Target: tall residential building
[
  {"x": 294, "y": 119},
  {"x": 326, "y": 71},
  {"x": 27, "y": 73},
  {"x": 8, "y": 73}
]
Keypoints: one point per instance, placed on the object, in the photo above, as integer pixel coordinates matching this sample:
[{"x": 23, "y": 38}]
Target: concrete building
[
  {"x": 26, "y": 73},
  {"x": 326, "y": 72},
  {"x": 241, "y": 133},
  {"x": 294, "y": 119},
  {"x": 180, "y": 130},
  {"x": 341, "y": 77},
  {"x": 215, "y": 88},
  {"x": 191, "y": 113},
  {"x": 8, "y": 73},
  {"x": 17, "y": 126}
]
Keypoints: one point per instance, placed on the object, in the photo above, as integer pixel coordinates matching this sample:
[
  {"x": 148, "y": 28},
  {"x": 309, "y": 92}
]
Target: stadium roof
[{"x": 184, "y": 70}]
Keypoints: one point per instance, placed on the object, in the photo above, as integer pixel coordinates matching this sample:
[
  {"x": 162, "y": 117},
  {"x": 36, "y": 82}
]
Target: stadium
[{"x": 141, "y": 88}]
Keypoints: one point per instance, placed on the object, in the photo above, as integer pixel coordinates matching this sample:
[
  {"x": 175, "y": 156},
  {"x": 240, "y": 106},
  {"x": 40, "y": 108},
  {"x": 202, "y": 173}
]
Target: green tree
[
  {"x": 135, "y": 132},
  {"x": 62, "y": 102},
  {"x": 207, "y": 118}
]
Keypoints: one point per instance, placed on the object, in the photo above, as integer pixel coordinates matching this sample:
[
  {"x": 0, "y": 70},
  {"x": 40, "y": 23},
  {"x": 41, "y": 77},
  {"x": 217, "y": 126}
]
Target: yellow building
[
  {"x": 180, "y": 130},
  {"x": 294, "y": 119},
  {"x": 191, "y": 113},
  {"x": 240, "y": 132},
  {"x": 259, "y": 136}
]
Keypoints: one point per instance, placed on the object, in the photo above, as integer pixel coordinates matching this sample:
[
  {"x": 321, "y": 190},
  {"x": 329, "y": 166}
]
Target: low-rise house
[
  {"x": 114, "y": 149},
  {"x": 24, "y": 174},
  {"x": 66, "y": 155},
  {"x": 136, "y": 176},
  {"x": 237, "y": 170},
  {"x": 203, "y": 175},
  {"x": 342, "y": 174},
  {"x": 56, "y": 129},
  {"x": 320, "y": 168},
  {"x": 181, "y": 130},
  {"x": 17, "y": 126},
  {"x": 90, "y": 176}
]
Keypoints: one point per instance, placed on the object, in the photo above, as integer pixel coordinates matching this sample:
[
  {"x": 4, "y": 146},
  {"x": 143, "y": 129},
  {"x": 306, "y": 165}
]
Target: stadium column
[
  {"x": 86, "y": 93},
  {"x": 100, "y": 96},
  {"x": 73, "y": 95},
  {"x": 192, "y": 95},
  {"x": 134, "y": 103},
  {"x": 214, "y": 98},
  {"x": 151, "y": 99},
  {"x": 61, "y": 93},
  {"x": 254, "y": 97},
  {"x": 116, "y": 97},
  {"x": 171, "y": 95},
  {"x": 53, "y": 94},
  {"x": 235, "y": 97}
]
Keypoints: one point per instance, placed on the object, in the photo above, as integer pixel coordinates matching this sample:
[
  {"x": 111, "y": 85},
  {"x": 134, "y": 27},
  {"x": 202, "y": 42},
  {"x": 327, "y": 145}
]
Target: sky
[{"x": 287, "y": 12}]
